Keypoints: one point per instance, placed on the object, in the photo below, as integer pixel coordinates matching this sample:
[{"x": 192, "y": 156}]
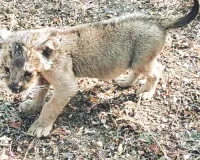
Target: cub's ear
[
  {"x": 49, "y": 47},
  {"x": 4, "y": 34},
  {"x": 48, "y": 51},
  {"x": 52, "y": 43}
]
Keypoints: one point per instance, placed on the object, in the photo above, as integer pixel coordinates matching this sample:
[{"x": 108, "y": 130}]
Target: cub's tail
[{"x": 180, "y": 22}]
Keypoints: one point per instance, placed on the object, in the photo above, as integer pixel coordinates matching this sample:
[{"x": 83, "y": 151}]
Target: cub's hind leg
[
  {"x": 153, "y": 73},
  {"x": 29, "y": 107},
  {"x": 127, "y": 80}
]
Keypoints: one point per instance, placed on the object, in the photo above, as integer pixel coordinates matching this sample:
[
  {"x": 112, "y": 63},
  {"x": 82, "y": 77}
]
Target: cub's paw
[
  {"x": 40, "y": 128},
  {"x": 146, "y": 95},
  {"x": 28, "y": 107},
  {"x": 123, "y": 81}
]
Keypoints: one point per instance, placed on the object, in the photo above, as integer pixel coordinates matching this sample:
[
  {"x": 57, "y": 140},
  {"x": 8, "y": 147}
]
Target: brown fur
[{"x": 99, "y": 50}]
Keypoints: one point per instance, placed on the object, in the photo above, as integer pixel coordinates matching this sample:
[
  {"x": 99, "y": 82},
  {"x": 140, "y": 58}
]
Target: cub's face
[
  {"x": 24, "y": 55},
  {"x": 18, "y": 69}
]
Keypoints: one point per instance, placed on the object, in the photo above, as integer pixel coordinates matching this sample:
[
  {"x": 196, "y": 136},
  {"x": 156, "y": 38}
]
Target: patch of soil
[{"x": 104, "y": 121}]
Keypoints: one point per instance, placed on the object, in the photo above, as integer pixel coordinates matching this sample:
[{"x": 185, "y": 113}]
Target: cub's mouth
[
  {"x": 16, "y": 87},
  {"x": 19, "y": 80}
]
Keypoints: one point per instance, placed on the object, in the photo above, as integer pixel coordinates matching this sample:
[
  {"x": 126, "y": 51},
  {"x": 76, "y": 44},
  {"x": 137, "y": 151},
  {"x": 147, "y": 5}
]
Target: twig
[
  {"x": 138, "y": 103},
  {"x": 29, "y": 147},
  {"x": 141, "y": 123}
]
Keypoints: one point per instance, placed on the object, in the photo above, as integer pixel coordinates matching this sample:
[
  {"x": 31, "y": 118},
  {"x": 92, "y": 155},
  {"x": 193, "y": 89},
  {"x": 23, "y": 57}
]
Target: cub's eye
[
  {"x": 28, "y": 74},
  {"x": 7, "y": 70}
]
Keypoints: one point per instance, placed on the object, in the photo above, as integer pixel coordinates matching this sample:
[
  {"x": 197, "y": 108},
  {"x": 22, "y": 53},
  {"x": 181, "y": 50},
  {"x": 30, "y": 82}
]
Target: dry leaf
[
  {"x": 93, "y": 99},
  {"x": 100, "y": 144},
  {"x": 120, "y": 148},
  {"x": 103, "y": 117},
  {"x": 60, "y": 131},
  {"x": 87, "y": 131},
  {"x": 153, "y": 147},
  {"x": 15, "y": 125},
  {"x": 80, "y": 132}
]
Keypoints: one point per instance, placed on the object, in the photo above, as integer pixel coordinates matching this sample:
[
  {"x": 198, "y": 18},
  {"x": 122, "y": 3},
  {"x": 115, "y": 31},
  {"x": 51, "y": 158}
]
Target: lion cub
[{"x": 102, "y": 50}]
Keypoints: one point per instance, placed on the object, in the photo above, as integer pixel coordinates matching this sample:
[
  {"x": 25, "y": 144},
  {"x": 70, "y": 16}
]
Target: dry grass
[{"x": 104, "y": 121}]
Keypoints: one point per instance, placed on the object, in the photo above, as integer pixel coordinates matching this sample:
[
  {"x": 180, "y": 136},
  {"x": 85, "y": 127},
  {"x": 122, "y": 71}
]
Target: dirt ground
[{"x": 104, "y": 121}]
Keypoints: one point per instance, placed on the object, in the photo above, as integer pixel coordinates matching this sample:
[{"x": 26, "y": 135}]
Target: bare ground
[{"x": 104, "y": 121}]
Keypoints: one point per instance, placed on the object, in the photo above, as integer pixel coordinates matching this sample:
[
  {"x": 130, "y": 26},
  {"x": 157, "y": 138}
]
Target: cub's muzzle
[{"x": 15, "y": 87}]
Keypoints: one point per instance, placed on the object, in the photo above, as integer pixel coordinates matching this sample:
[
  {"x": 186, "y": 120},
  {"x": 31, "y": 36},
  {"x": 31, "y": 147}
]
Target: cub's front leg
[
  {"x": 62, "y": 94},
  {"x": 29, "y": 107}
]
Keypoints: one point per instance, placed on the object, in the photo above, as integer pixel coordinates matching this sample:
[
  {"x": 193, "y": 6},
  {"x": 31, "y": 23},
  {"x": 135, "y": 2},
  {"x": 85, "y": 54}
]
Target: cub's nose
[{"x": 15, "y": 87}]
